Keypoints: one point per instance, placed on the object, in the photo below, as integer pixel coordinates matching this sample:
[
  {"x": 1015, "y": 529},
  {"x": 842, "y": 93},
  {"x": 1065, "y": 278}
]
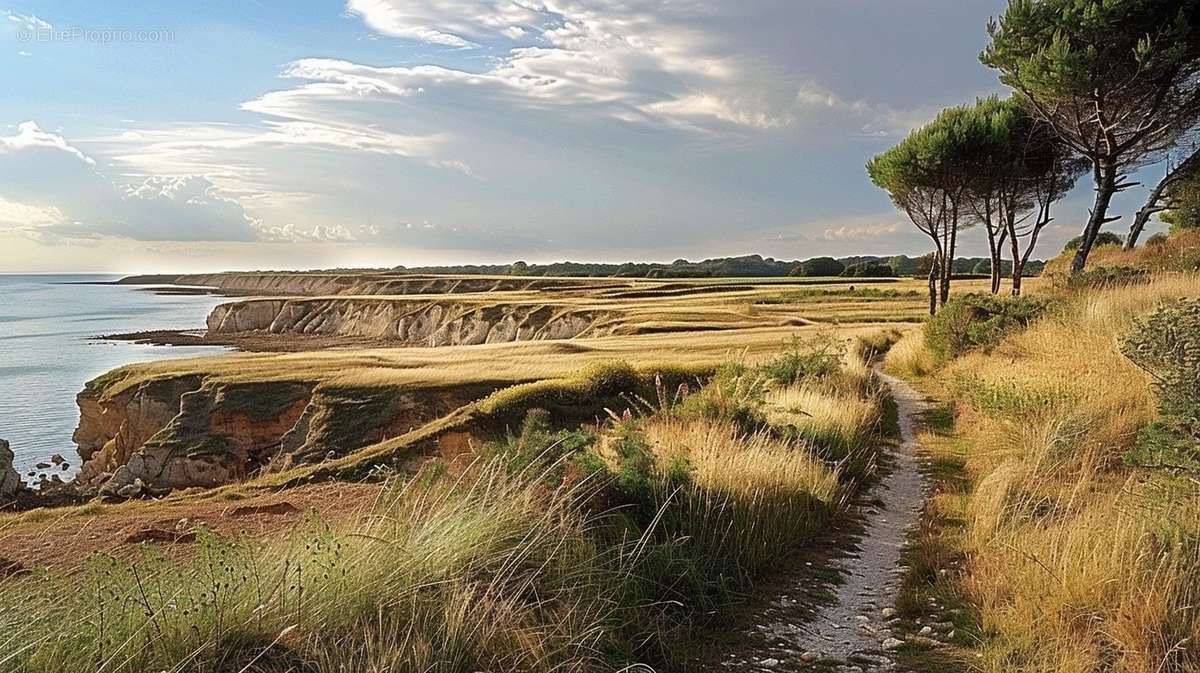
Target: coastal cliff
[
  {"x": 186, "y": 431},
  {"x": 418, "y": 323}
]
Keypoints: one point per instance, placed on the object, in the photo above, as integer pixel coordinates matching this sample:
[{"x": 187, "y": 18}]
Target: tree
[
  {"x": 1105, "y": 238},
  {"x": 1175, "y": 193},
  {"x": 903, "y": 265},
  {"x": 869, "y": 270},
  {"x": 1183, "y": 203},
  {"x": 925, "y": 178},
  {"x": 1117, "y": 80},
  {"x": 821, "y": 266},
  {"x": 1016, "y": 170}
]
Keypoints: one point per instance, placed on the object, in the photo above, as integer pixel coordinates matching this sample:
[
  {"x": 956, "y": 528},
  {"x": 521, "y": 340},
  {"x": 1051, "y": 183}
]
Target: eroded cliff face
[
  {"x": 183, "y": 432},
  {"x": 409, "y": 322}
]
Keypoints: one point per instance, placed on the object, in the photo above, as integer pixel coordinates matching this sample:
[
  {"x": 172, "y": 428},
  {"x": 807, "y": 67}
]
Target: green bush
[
  {"x": 1167, "y": 345},
  {"x": 814, "y": 358},
  {"x": 538, "y": 447},
  {"x": 979, "y": 321}
]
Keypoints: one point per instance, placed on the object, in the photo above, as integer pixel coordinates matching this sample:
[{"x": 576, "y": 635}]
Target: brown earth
[{"x": 62, "y": 540}]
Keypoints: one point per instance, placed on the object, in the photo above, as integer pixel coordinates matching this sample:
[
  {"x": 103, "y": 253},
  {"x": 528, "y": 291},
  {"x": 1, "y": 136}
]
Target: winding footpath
[{"x": 851, "y": 630}]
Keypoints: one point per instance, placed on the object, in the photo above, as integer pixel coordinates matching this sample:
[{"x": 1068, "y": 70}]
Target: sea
[{"x": 49, "y": 349}]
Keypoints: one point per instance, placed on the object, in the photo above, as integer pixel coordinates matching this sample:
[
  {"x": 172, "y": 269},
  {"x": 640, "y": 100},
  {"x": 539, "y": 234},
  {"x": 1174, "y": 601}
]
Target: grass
[
  {"x": 586, "y": 549},
  {"x": 1075, "y": 559}
]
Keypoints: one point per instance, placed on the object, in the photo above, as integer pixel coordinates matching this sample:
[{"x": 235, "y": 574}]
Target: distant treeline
[{"x": 861, "y": 266}]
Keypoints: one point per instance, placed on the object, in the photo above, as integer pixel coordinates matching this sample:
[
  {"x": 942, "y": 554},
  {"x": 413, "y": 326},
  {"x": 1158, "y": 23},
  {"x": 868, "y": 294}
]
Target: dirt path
[{"x": 850, "y": 629}]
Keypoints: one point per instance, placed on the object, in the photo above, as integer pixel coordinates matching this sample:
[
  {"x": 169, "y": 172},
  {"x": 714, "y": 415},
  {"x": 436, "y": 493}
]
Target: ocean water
[{"x": 47, "y": 351}]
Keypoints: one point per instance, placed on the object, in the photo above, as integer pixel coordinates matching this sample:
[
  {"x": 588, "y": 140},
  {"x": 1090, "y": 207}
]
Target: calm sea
[{"x": 47, "y": 352}]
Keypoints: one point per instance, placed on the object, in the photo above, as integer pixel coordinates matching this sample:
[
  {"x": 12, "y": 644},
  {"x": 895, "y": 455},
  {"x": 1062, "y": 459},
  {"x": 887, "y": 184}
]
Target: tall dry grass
[
  {"x": 1079, "y": 562},
  {"x": 509, "y": 566},
  {"x": 909, "y": 358},
  {"x": 437, "y": 579}
]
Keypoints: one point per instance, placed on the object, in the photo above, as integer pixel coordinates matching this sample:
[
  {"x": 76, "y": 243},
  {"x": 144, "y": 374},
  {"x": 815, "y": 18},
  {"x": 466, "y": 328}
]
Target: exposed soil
[
  {"x": 65, "y": 539},
  {"x": 827, "y": 612}
]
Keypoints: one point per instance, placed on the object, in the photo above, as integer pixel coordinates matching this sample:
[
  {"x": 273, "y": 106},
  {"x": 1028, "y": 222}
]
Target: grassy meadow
[
  {"x": 559, "y": 547},
  {"x": 1066, "y": 530}
]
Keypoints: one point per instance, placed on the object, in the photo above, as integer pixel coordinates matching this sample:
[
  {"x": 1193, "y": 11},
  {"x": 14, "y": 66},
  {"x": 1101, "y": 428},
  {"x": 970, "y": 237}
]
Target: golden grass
[
  {"x": 909, "y": 358},
  {"x": 751, "y": 466},
  {"x": 1078, "y": 562},
  {"x": 816, "y": 412}
]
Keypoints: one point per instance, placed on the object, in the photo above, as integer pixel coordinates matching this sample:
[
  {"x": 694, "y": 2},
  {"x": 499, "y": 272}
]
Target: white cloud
[
  {"x": 29, "y": 135},
  {"x": 52, "y": 191},
  {"x": 20, "y": 215},
  {"x": 28, "y": 21},
  {"x": 849, "y": 228},
  {"x": 706, "y": 105},
  {"x": 861, "y": 232}
]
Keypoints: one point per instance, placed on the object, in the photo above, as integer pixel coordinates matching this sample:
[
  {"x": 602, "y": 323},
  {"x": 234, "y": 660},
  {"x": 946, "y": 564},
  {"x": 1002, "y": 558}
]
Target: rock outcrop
[
  {"x": 185, "y": 431},
  {"x": 416, "y": 323},
  {"x": 10, "y": 481}
]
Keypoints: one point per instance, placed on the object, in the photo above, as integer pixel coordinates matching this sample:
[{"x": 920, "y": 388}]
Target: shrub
[
  {"x": 587, "y": 391},
  {"x": 734, "y": 395},
  {"x": 979, "y": 321},
  {"x": 816, "y": 357},
  {"x": 1108, "y": 276},
  {"x": 1167, "y": 345},
  {"x": 1157, "y": 240},
  {"x": 540, "y": 447}
]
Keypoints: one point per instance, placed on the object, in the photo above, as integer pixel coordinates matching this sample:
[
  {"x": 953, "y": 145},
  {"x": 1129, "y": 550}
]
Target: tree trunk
[
  {"x": 934, "y": 273},
  {"x": 993, "y": 245},
  {"x": 1154, "y": 201},
  {"x": 1018, "y": 268},
  {"x": 948, "y": 257},
  {"x": 1106, "y": 186},
  {"x": 995, "y": 271}
]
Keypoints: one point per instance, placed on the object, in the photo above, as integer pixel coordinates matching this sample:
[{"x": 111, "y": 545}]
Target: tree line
[
  {"x": 1099, "y": 87},
  {"x": 746, "y": 266}
]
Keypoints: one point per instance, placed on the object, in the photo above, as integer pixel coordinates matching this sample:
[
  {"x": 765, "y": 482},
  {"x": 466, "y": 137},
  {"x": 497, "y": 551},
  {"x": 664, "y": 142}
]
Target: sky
[{"x": 241, "y": 134}]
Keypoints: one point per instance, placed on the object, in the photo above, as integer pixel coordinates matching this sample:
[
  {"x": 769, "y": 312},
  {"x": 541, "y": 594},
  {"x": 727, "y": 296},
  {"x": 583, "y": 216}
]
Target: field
[
  {"x": 614, "y": 498},
  {"x": 656, "y": 465}
]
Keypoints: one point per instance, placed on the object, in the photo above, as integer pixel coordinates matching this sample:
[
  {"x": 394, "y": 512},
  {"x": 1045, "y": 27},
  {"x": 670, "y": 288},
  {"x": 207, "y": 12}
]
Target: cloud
[
  {"x": 28, "y": 21},
  {"x": 576, "y": 125},
  {"x": 51, "y": 191},
  {"x": 850, "y": 229},
  {"x": 860, "y": 232},
  {"x": 29, "y": 136}
]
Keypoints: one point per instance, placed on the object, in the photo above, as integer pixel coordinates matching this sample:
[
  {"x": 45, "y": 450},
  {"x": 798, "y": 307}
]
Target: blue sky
[{"x": 380, "y": 132}]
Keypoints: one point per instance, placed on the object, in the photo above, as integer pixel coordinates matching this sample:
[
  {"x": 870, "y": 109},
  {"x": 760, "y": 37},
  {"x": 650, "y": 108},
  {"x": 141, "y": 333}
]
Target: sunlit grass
[{"x": 1079, "y": 562}]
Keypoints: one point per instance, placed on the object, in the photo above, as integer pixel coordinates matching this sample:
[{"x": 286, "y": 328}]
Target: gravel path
[{"x": 851, "y": 630}]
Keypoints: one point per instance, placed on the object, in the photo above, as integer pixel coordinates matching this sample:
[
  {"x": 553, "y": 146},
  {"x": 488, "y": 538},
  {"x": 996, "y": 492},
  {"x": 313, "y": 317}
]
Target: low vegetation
[
  {"x": 1066, "y": 526},
  {"x": 563, "y": 546}
]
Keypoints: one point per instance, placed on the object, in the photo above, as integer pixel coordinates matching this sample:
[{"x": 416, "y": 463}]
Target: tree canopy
[{"x": 1117, "y": 80}]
